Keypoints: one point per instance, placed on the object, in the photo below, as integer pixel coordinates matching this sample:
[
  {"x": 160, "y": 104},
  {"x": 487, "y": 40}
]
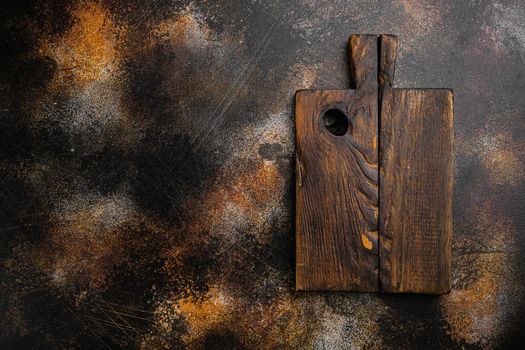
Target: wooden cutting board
[{"x": 374, "y": 181}]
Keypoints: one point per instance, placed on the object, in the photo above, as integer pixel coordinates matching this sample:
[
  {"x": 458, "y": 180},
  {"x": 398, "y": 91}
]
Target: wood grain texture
[
  {"x": 337, "y": 243},
  {"x": 337, "y": 182},
  {"x": 416, "y": 190},
  {"x": 387, "y": 65}
]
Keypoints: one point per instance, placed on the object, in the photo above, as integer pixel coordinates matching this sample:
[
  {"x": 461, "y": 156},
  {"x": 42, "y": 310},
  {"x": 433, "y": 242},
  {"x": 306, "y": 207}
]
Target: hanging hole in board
[{"x": 336, "y": 121}]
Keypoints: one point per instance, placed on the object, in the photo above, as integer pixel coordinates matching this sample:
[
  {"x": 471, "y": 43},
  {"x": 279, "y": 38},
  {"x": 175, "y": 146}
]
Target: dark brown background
[{"x": 147, "y": 169}]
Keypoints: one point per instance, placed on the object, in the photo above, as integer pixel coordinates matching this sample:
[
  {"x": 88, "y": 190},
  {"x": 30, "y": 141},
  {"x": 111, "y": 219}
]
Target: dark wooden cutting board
[{"x": 374, "y": 181}]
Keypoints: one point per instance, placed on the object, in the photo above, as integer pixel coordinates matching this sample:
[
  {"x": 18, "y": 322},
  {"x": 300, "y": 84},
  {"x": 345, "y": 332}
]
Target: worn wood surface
[
  {"x": 337, "y": 178},
  {"x": 416, "y": 190},
  {"x": 337, "y": 181}
]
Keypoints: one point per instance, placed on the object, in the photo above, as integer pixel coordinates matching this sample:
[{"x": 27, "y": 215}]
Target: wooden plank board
[
  {"x": 337, "y": 192},
  {"x": 337, "y": 180},
  {"x": 416, "y": 140}
]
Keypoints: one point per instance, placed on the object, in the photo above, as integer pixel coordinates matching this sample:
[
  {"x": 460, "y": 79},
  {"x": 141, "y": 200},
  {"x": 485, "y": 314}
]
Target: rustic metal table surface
[{"x": 147, "y": 174}]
